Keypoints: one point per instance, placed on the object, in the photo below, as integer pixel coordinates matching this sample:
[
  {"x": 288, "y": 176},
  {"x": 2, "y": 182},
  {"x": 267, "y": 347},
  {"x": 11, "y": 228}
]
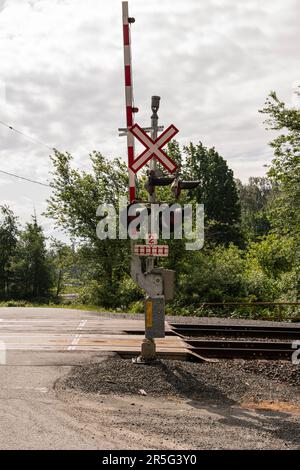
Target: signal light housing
[
  {"x": 178, "y": 185},
  {"x": 155, "y": 180}
]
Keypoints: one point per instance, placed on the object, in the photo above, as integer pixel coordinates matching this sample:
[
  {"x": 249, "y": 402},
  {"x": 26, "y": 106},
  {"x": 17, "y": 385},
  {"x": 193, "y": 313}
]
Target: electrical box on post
[
  {"x": 168, "y": 282},
  {"x": 155, "y": 317}
]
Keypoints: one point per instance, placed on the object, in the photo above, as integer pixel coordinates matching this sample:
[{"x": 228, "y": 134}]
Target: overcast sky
[{"x": 213, "y": 62}]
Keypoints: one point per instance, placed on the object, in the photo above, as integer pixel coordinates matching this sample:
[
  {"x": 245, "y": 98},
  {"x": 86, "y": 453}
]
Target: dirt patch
[
  {"x": 272, "y": 406},
  {"x": 227, "y": 382}
]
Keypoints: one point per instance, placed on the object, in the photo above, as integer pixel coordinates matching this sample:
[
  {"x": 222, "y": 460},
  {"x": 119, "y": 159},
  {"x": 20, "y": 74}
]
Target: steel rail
[
  {"x": 244, "y": 350},
  {"x": 198, "y": 343},
  {"x": 236, "y": 330}
]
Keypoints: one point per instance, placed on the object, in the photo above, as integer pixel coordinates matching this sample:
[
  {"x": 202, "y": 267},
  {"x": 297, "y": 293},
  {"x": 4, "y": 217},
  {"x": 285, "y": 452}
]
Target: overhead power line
[
  {"x": 25, "y": 179},
  {"x": 33, "y": 139}
]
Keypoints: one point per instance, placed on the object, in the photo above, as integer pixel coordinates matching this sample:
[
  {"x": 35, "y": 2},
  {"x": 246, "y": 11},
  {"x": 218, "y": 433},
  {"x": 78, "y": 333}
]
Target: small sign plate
[{"x": 151, "y": 250}]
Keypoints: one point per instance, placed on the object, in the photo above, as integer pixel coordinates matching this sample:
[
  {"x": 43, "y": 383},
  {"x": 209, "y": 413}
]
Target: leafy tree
[
  {"x": 174, "y": 151},
  {"x": 275, "y": 254},
  {"x": 289, "y": 285},
  {"x": 217, "y": 191},
  {"x": 77, "y": 194},
  {"x": 254, "y": 199},
  {"x": 8, "y": 242},
  {"x": 31, "y": 265},
  {"x": 277, "y": 259},
  {"x": 61, "y": 257},
  {"x": 73, "y": 205},
  {"x": 285, "y": 168},
  {"x": 212, "y": 275}
]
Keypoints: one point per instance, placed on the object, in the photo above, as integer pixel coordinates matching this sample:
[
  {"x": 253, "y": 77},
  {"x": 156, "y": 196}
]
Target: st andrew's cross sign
[{"x": 153, "y": 148}]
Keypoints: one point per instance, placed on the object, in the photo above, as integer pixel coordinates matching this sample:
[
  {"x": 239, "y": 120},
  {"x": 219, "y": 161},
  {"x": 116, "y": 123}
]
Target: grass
[
  {"x": 137, "y": 307},
  {"x": 25, "y": 303}
]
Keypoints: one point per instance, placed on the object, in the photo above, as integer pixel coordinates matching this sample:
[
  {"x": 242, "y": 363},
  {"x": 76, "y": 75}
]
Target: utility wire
[
  {"x": 36, "y": 141},
  {"x": 25, "y": 179},
  {"x": 33, "y": 139}
]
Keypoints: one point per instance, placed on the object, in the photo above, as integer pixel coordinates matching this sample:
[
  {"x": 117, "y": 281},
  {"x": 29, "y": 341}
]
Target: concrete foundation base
[{"x": 148, "y": 352}]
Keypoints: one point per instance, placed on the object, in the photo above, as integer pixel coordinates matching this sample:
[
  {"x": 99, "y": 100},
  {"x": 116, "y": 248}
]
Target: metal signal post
[
  {"x": 153, "y": 280},
  {"x": 154, "y": 125},
  {"x": 158, "y": 283},
  {"x": 155, "y": 100}
]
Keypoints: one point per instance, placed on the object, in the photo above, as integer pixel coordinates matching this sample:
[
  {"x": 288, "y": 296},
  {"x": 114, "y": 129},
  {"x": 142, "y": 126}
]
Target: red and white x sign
[{"x": 153, "y": 148}]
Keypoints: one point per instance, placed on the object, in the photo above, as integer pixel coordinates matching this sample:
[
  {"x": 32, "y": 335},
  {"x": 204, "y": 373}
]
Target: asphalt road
[
  {"x": 41, "y": 346},
  {"x": 46, "y": 329}
]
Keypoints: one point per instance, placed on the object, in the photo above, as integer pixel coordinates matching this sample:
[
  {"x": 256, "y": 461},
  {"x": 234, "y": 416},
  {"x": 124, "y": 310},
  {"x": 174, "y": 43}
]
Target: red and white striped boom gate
[{"x": 129, "y": 96}]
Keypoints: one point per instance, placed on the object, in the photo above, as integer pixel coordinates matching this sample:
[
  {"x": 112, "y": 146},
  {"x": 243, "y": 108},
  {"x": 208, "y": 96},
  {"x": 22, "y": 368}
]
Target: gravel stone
[{"x": 227, "y": 381}]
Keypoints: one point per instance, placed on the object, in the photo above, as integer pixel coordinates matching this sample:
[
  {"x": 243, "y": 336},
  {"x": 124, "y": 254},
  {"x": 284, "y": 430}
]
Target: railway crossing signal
[
  {"x": 153, "y": 148},
  {"x": 157, "y": 282}
]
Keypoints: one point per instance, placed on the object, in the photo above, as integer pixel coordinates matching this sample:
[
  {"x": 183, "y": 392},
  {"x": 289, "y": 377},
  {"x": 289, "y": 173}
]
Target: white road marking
[
  {"x": 77, "y": 337},
  {"x": 81, "y": 325},
  {"x": 50, "y": 336},
  {"x": 74, "y": 343}
]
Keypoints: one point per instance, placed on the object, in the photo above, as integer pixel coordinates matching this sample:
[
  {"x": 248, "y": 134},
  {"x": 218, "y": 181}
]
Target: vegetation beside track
[{"x": 251, "y": 252}]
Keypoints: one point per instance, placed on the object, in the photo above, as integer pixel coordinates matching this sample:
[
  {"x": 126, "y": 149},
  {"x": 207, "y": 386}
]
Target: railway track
[
  {"x": 236, "y": 330},
  {"x": 241, "y": 349},
  {"x": 250, "y": 348}
]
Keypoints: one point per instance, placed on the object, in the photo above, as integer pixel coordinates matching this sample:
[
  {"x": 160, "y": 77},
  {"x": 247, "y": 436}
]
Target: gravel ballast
[{"x": 226, "y": 381}]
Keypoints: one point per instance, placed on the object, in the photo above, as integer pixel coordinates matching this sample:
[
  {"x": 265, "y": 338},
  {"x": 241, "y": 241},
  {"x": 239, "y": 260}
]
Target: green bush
[
  {"x": 96, "y": 293},
  {"x": 120, "y": 294},
  {"x": 258, "y": 285},
  {"x": 274, "y": 254},
  {"x": 16, "y": 303},
  {"x": 289, "y": 286},
  {"x": 129, "y": 292},
  {"x": 213, "y": 276},
  {"x": 136, "y": 307}
]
